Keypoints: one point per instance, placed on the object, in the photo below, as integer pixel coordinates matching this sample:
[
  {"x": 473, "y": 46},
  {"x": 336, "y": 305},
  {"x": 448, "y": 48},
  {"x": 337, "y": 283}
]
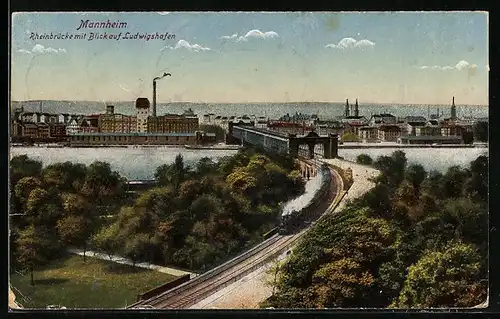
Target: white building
[{"x": 72, "y": 127}]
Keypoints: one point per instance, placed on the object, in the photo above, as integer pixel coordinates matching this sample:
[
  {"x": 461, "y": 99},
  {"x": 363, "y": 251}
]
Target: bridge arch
[{"x": 330, "y": 144}]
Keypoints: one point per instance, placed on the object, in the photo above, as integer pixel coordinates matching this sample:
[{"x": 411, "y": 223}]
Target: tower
[
  {"x": 142, "y": 107},
  {"x": 453, "y": 110},
  {"x": 346, "y": 107},
  {"x": 356, "y": 109},
  {"x": 110, "y": 109}
]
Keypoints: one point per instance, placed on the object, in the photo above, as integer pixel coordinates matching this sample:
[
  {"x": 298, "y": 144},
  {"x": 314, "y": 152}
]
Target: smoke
[{"x": 311, "y": 188}]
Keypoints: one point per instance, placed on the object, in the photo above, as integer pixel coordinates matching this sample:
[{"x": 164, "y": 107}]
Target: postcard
[{"x": 248, "y": 160}]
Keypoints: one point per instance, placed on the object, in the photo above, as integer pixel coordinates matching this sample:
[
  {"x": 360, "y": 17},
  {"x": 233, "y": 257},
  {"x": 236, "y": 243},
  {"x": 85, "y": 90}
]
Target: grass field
[{"x": 72, "y": 283}]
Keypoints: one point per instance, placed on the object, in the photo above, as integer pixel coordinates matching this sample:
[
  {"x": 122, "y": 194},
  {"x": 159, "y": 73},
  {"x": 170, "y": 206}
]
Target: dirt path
[{"x": 124, "y": 261}]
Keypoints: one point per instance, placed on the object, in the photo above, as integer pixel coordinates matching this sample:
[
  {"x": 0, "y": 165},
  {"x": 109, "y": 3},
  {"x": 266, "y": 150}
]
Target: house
[
  {"x": 89, "y": 124},
  {"x": 57, "y": 130},
  {"x": 63, "y": 118},
  {"x": 29, "y": 117},
  {"x": 43, "y": 130},
  {"x": 389, "y": 133},
  {"x": 325, "y": 127},
  {"x": 368, "y": 133},
  {"x": 30, "y": 130},
  {"x": 452, "y": 130},
  {"x": 16, "y": 128},
  {"x": 353, "y": 127},
  {"x": 412, "y": 122},
  {"x": 261, "y": 122},
  {"x": 428, "y": 130},
  {"x": 73, "y": 126},
  {"x": 380, "y": 119},
  {"x": 418, "y": 120}
]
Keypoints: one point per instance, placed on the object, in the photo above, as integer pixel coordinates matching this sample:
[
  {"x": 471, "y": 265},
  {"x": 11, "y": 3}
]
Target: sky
[{"x": 386, "y": 57}]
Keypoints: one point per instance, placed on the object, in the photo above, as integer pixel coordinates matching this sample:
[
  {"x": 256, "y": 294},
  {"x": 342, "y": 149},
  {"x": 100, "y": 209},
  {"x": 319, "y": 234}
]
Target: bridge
[{"x": 289, "y": 144}]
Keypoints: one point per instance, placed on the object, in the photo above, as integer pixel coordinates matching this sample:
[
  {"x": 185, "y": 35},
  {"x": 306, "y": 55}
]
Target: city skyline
[{"x": 403, "y": 58}]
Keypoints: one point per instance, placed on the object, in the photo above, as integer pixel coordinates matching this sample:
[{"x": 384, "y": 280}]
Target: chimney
[
  {"x": 356, "y": 108},
  {"x": 41, "y": 106},
  {"x": 346, "y": 107},
  {"x": 154, "y": 98}
]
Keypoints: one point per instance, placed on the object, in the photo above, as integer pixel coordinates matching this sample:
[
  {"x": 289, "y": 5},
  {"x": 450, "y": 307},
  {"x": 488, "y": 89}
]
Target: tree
[
  {"x": 65, "y": 176},
  {"x": 173, "y": 174},
  {"x": 434, "y": 184},
  {"x": 205, "y": 166},
  {"x": 34, "y": 248},
  {"x": 407, "y": 193},
  {"x": 480, "y": 130},
  {"x": 23, "y": 188},
  {"x": 160, "y": 201},
  {"x": 469, "y": 218},
  {"x": 445, "y": 279},
  {"x": 137, "y": 247},
  {"x": 341, "y": 283},
  {"x": 364, "y": 159},
  {"x": 107, "y": 240},
  {"x": 415, "y": 174},
  {"x": 242, "y": 180},
  {"x": 204, "y": 206},
  {"x": 101, "y": 182},
  {"x": 22, "y": 166},
  {"x": 43, "y": 207},
  {"x": 453, "y": 181},
  {"x": 74, "y": 230},
  {"x": 477, "y": 184},
  {"x": 350, "y": 137},
  {"x": 189, "y": 191}
]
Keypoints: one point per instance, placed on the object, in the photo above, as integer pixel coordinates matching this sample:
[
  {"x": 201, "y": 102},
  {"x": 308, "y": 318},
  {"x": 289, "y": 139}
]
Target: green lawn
[{"x": 72, "y": 283}]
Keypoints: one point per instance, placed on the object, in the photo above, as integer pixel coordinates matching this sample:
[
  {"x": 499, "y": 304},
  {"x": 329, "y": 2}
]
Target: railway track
[{"x": 210, "y": 282}]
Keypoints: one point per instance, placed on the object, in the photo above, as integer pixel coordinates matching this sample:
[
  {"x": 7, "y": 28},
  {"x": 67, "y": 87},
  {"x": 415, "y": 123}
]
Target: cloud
[
  {"x": 351, "y": 43},
  {"x": 40, "y": 49},
  {"x": 229, "y": 37},
  {"x": 24, "y": 51},
  {"x": 256, "y": 34},
  {"x": 252, "y": 34},
  {"x": 183, "y": 44},
  {"x": 460, "y": 66}
]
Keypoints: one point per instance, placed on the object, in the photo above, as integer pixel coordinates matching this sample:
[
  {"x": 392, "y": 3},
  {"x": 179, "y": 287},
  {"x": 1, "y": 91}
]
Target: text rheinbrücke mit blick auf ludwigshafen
[{"x": 87, "y": 24}]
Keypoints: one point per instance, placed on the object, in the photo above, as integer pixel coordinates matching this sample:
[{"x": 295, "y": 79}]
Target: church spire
[{"x": 453, "y": 110}]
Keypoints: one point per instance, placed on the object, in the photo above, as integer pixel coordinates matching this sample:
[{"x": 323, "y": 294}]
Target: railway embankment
[
  {"x": 359, "y": 178},
  {"x": 250, "y": 290}
]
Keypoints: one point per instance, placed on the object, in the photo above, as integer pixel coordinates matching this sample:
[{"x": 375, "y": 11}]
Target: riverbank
[
  {"x": 227, "y": 147},
  {"x": 397, "y": 145}
]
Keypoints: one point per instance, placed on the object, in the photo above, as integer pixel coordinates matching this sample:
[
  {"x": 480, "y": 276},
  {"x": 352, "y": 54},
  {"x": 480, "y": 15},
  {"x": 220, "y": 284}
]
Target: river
[
  {"x": 430, "y": 158},
  {"x": 134, "y": 163},
  {"x": 137, "y": 163}
]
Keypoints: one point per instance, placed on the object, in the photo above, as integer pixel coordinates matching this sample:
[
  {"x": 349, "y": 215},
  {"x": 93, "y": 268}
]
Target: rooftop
[{"x": 135, "y": 134}]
